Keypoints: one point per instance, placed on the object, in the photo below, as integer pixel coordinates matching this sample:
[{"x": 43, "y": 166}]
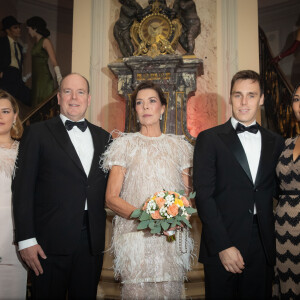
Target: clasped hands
[{"x": 232, "y": 260}]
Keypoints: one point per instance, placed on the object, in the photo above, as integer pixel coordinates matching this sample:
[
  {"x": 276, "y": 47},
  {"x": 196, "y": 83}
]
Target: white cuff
[
  {"x": 58, "y": 74},
  {"x": 27, "y": 243}
]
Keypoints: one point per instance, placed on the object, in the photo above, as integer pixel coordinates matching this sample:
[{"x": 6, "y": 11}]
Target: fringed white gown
[
  {"x": 148, "y": 265},
  {"x": 13, "y": 276}
]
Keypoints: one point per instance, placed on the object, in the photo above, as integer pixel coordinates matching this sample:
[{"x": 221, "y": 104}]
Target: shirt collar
[
  {"x": 11, "y": 40},
  {"x": 234, "y": 122},
  {"x": 64, "y": 119}
]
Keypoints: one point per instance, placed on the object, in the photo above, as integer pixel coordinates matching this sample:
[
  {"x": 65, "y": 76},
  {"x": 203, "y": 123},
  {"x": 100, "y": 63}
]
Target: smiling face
[
  {"x": 296, "y": 104},
  {"x": 245, "y": 99},
  {"x": 148, "y": 107},
  {"x": 74, "y": 97},
  {"x": 7, "y": 116}
]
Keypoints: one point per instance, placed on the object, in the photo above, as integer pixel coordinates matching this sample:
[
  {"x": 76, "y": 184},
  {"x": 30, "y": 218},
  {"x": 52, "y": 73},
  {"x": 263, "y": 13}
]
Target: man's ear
[{"x": 262, "y": 99}]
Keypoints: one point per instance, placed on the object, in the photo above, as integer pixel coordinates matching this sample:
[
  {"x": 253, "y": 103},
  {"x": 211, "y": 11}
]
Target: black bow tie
[
  {"x": 81, "y": 125},
  {"x": 241, "y": 128}
]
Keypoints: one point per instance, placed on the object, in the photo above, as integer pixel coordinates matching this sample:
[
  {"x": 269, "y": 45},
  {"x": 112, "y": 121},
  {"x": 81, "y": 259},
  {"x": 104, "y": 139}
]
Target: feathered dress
[
  {"x": 13, "y": 276},
  {"x": 287, "y": 226},
  {"x": 148, "y": 265}
]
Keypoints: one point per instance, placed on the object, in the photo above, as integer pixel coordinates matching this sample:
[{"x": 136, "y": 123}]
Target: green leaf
[
  {"x": 187, "y": 223},
  {"x": 192, "y": 195},
  {"x": 179, "y": 218},
  {"x": 136, "y": 213},
  {"x": 156, "y": 230},
  {"x": 165, "y": 225},
  {"x": 151, "y": 224},
  {"x": 173, "y": 224},
  {"x": 144, "y": 216},
  {"x": 191, "y": 210},
  {"x": 143, "y": 225},
  {"x": 181, "y": 192}
]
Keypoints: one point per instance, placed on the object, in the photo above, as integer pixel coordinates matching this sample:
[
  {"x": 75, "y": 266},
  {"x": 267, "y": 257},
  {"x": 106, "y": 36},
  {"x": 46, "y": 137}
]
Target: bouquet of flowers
[{"x": 164, "y": 210}]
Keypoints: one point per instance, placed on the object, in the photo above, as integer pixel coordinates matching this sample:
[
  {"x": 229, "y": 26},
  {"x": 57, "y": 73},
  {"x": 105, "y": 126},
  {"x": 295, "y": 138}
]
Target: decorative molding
[
  {"x": 99, "y": 59},
  {"x": 229, "y": 57}
]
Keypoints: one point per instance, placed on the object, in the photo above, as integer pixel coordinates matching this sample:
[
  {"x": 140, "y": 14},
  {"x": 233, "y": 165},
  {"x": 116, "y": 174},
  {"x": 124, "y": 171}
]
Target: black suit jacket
[
  {"x": 5, "y": 54},
  {"x": 225, "y": 192},
  {"x": 50, "y": 189}
]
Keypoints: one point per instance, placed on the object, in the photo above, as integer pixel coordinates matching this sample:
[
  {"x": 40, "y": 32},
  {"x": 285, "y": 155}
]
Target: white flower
[
  {"x": 161, "y": 194},
  {"x": 169, "y": 198}
]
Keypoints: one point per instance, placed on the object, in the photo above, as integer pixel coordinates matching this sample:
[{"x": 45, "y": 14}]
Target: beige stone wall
[{"x": 228, "y": 42}]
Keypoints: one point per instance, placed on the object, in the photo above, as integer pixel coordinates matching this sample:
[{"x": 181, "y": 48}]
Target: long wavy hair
[{"x": 17, "y": 129}]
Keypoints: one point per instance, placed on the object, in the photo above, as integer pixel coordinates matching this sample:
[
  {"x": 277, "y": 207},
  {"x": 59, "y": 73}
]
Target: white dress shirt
[
  {"x": 83, "y": 144},
  {"x": 13, "y": 59},
  {"x": 251, "y": 143}
]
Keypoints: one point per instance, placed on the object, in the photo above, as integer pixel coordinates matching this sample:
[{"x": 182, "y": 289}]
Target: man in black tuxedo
[
  {"x": 11, "y": 60},
  {"x": 234, "y": 179},
  {"x": 58, "y": 198}
]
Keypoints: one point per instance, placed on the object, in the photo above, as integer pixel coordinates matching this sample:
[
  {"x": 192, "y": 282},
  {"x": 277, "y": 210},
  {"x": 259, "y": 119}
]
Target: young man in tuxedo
[
  {"x": 11, "y": 60},
  {"x": 234, "y": 180},
  {"x": 58, "y": 197}
]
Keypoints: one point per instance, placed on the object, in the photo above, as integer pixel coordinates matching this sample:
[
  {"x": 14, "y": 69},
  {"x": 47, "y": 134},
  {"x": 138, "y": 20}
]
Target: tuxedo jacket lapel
[
  {"x": 97, "y": 141},
  {"x": 267, "y": 148},
  {"x": 230, "y": 138},
  {"x": 60, "y": 134}
]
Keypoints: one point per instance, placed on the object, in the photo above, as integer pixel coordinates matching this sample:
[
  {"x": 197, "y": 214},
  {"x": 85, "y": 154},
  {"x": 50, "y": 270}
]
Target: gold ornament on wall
[{"x": 156, "y": 34}]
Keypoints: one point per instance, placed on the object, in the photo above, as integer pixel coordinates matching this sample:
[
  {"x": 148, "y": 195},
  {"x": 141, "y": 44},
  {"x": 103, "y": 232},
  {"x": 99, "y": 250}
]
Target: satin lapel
[
  {"x": 231, "y": 140},
  {"x": 267, "y": 148},
  {"x": 97, "y": 151},
  {"x": 60, "y": 134}
]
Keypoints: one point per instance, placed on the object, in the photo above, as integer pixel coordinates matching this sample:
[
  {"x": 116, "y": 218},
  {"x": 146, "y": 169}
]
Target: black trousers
[
  {"x": 255, "y": 282},
  {"x": 73, "y": 276}
]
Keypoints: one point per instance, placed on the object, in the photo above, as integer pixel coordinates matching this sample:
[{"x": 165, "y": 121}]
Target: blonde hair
[{"x": 17, "y": 129}]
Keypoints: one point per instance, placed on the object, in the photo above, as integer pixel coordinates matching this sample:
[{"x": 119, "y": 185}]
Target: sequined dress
[
  {"x": 148, "y": 265},
  {"x": 287, "y": 226},
  {"x": 13, "y": 276}
]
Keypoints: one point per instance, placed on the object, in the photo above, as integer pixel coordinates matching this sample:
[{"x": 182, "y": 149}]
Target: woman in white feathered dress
[
  {"x": 13, "y": 276},
  {"x": 141, "y": 164}
]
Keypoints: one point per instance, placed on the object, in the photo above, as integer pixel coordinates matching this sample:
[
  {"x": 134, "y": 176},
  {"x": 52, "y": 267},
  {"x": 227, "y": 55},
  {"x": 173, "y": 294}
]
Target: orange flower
[
  {"x": 185, "y": 201},
  {"x": 156, "y": 215},
  {"x": 174, "y": 193},
  {"x": 145, "y": 205},
  {"x": 160, "y": 202},
  {"x": 173, "y": 210}
]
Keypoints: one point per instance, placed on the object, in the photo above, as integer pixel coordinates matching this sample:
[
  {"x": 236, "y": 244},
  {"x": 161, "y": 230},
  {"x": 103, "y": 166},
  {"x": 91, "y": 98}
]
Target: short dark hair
[
  {"x": 244, "y": 75},
  {"x": 39, "y": 24},
  {"x": 148, "y": 85},
  {"x": 87, "y": 82}
]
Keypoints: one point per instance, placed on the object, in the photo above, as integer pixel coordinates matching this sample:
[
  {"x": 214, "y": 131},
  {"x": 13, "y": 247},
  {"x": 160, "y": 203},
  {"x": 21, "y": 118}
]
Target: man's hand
[
  {"x": 232, "y": 260},
  {"x": 30, "y": 256}
]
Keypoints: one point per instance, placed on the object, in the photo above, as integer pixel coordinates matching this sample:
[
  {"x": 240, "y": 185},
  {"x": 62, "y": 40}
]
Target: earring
[
  {"x": 137, "y": 120},
  {"x": 160, "y": 117}
]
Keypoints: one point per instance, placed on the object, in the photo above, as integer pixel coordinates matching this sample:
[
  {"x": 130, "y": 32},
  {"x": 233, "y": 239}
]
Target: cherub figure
[
  {"x": 186, "y": 11},
  {"x": 129, "y": 11}
]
